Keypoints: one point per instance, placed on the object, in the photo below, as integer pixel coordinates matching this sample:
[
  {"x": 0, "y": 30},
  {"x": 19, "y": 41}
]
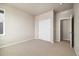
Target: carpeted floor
[{"x": 38, "y": 48}]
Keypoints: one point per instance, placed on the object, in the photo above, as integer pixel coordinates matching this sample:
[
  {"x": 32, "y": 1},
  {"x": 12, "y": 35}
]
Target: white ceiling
[{"x": 37, "y": 8}]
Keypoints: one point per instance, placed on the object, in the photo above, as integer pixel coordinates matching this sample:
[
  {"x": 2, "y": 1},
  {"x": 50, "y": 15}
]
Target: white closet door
[{"x": 44, "y": 29}]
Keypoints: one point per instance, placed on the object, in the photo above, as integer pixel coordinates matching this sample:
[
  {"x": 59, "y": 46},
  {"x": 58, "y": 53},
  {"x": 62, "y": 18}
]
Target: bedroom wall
[
  {"x": 43, "y": 16},
  {"x": 19, "y": 26},
  {"x": 61, "y": 15},
  {"x": 76, "y": 28}
]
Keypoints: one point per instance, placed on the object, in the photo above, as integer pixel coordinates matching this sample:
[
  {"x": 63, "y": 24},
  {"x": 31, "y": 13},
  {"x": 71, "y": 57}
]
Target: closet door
[{"x": 44, "y": 29}]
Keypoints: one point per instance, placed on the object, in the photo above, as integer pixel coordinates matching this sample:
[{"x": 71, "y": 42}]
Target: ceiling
[{"x": 38, "y": 8}]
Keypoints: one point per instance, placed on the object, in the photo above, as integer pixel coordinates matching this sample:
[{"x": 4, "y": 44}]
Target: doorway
[{"x": 67, "y": 30}]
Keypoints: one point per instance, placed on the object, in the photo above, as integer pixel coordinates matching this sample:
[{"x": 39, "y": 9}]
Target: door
[
  {"x": 67, "y": 30},
  {"x": 44, "y": 29},
  {"x": 71, "y": 31}
]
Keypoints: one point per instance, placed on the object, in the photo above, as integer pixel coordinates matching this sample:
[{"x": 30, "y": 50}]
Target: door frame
[{"x": 69, "y": 18}]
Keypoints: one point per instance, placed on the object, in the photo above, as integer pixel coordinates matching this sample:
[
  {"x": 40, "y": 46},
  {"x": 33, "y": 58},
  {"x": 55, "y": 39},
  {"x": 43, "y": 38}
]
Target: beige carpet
[{"x": 38, "y": 48}]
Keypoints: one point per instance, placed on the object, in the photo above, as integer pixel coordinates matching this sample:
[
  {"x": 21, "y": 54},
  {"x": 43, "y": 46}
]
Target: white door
[{"x": 44, "y": 29}]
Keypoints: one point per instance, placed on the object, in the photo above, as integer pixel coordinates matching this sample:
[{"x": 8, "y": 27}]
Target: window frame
[{"x": 3, "y": 22}]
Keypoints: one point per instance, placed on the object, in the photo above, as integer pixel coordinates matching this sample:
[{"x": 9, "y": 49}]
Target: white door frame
[{"x": 70, "y": 18}]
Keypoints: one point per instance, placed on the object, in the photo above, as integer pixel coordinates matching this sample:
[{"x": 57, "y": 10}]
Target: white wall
[
  {"x": 76, "y": 28},
  {"x": 19, "y": 25},
  {"x": 47, "y": 15},
  {"x": 61, "y": 15}
]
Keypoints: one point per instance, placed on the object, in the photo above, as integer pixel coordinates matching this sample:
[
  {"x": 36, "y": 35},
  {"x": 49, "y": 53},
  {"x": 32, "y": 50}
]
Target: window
[{"x": 2, "y": 17}]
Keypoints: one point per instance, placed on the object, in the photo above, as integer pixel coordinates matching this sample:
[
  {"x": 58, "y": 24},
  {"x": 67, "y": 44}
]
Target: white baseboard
[{"x": 14, "y": 43}]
